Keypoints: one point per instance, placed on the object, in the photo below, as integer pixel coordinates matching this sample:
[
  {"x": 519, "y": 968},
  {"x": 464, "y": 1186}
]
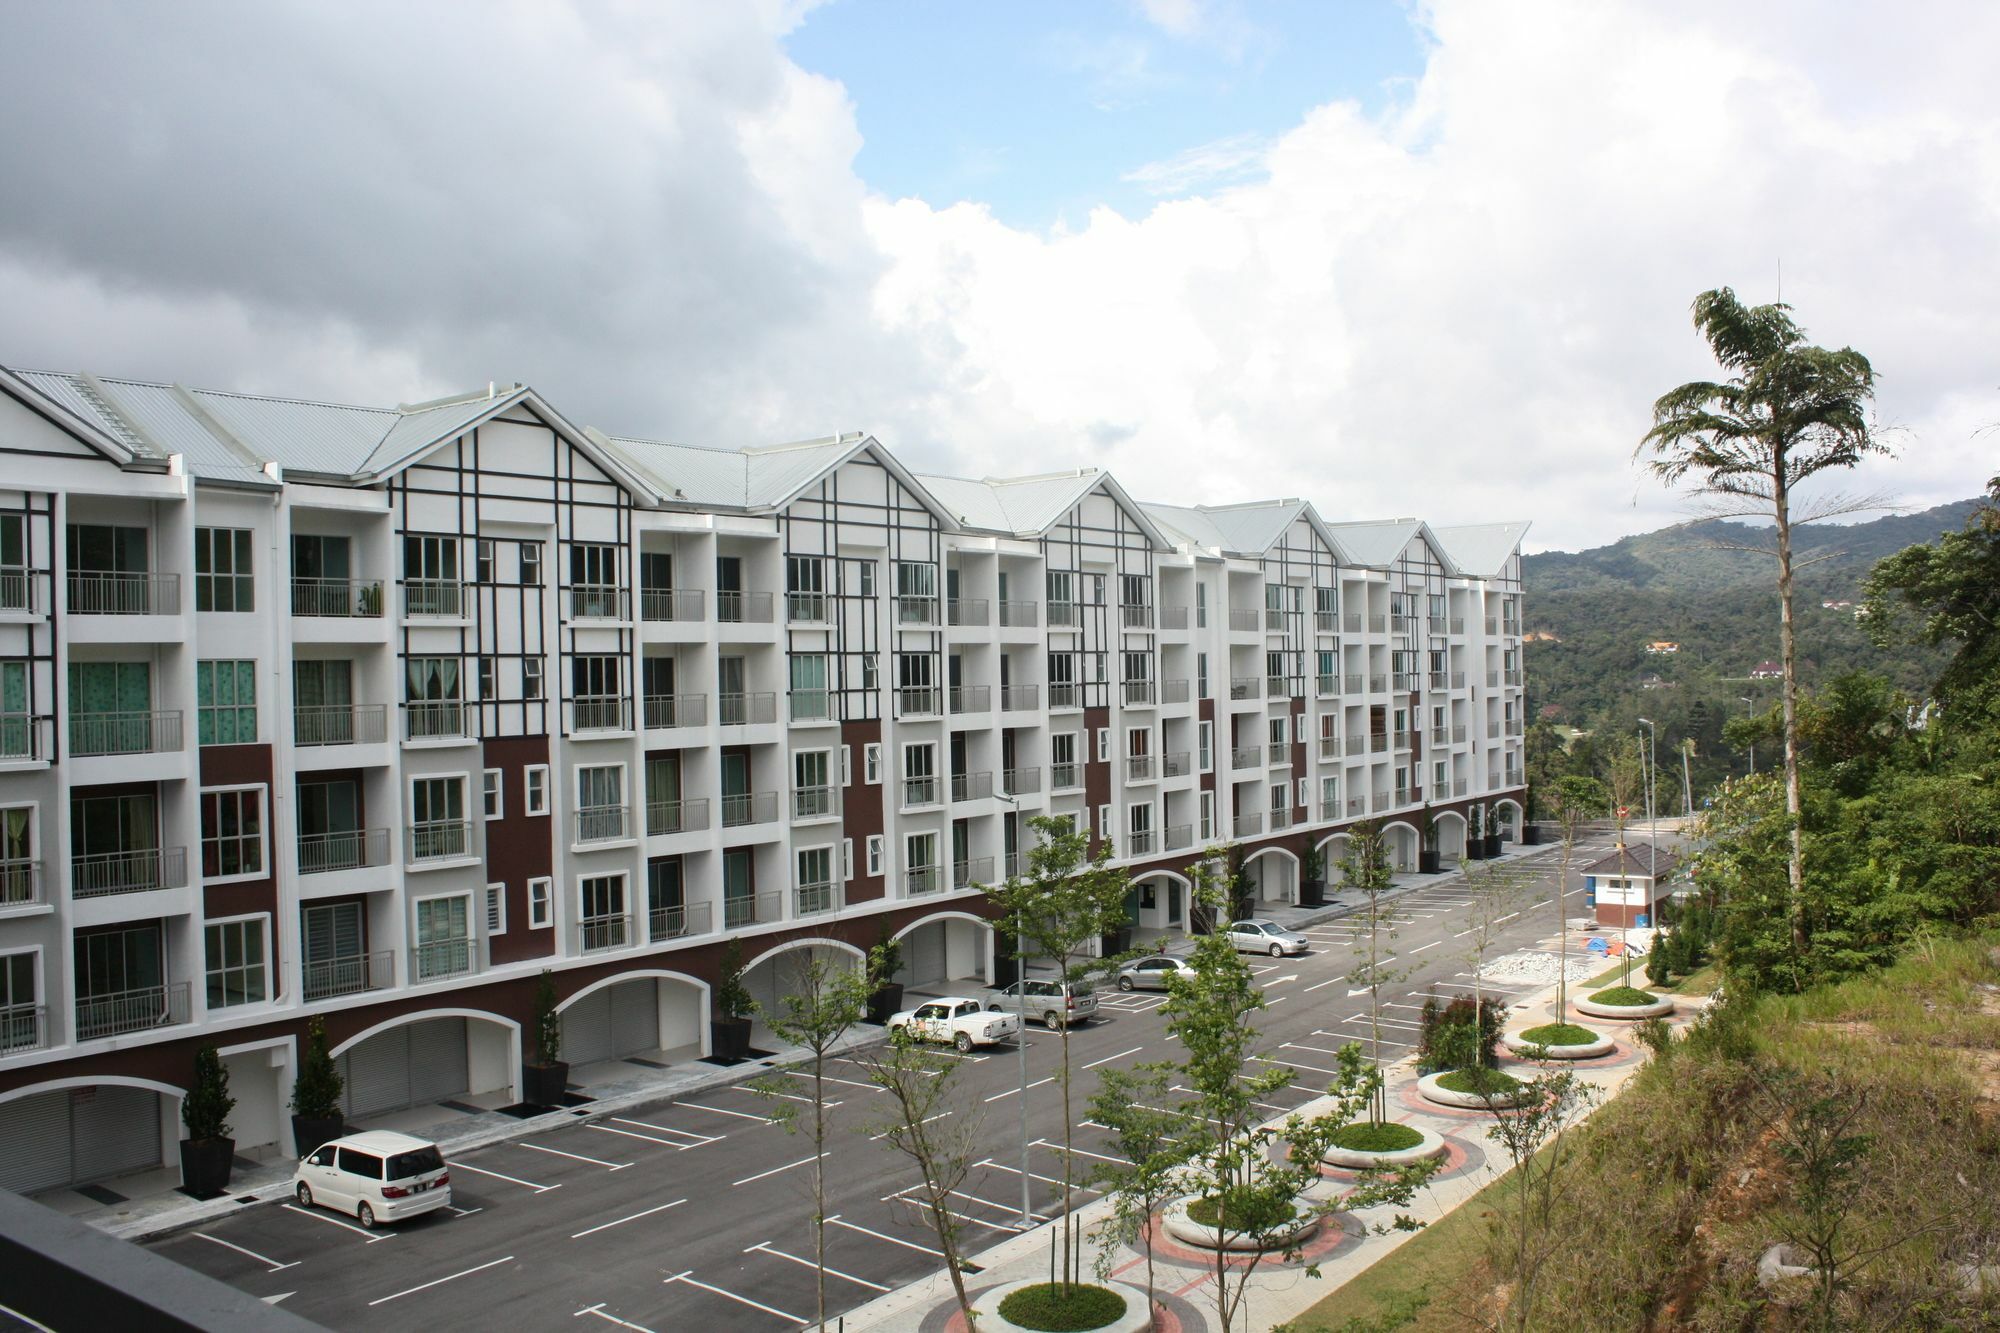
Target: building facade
[{"x": 375, "y": 714}]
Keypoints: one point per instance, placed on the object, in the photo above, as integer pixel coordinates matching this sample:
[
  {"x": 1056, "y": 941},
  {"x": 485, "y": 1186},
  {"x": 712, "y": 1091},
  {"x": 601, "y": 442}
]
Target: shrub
[
  {"x": 1458, "y": 1035},
  {"x": 547, "y": 1024},
  {"x": 205, "y": 1110},
  {"x": 732, "y": 997},
  {"x": 1376, "y": 1136},
  {"x": 1062, "y": 1307},
  {"x": 316, "y": 1091},
  {"x": 1625, "y": 995},
  {"x": 1658, "y": 958},
  {"x": 1559, "y": 1034}
]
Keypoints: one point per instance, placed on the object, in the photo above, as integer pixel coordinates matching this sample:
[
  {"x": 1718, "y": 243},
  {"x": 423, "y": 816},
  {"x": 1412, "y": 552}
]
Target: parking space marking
[
  {"x": 1077, "y": 1152},
  {"x": 788, "y": 1096},
  {"x": 877, "y": 1138},
  {"x": 598, "y": 1310},
  {"x": 1033, "y": 1175},
  {"x": 438, "y": 1282},
  {"x": 772, "y": 1172},
  {"x": 837, "y": 1221},
  {"x": 650, "y": 1138},
  {"x": 740, "y": 1300},
  {"x": 456, "y": 1211},
  {"x": 669, "y": 1129},
  {"x": 458, "y": 1165},
  {"x": 763, "y": 1247},
  {"x": 1012, "y": 1092},
  {"x": 1295, "y": 1065},
  {"x": 723, "y": 1110},
  {"x": 372, "y": 1236},
  {"x": 1009, "y": 1228},
  {"x": 276, "y": 1267},
  {"x": 1330, "y": 981},
  {"x": 575, "y": 1156},
  {"x": 1432, "y": 945},
  {"x": 1109, "y": 1058},
  {"x": 606, "y": 1226},
  {"x": 849, "y": 1082}
]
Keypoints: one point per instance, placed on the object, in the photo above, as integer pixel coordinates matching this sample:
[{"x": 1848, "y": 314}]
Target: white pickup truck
[{"x": 962, "y": 1022}]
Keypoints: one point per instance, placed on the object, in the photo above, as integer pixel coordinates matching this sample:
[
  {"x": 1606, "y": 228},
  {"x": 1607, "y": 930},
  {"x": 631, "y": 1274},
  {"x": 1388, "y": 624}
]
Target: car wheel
[
  {"x": 1052, "y": 1020},
  {"x": 304, "y": 1195},
  {"x": 963, "y": 1041},
  {"x": 1277, "y": 951},
  {"x": 1124, "y": 983},
  {"x": 365, "y": 1216}
]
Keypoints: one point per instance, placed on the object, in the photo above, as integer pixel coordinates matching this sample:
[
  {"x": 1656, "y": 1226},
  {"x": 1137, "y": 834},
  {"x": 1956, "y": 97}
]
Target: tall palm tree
[{"x": 1788, "y": 411}]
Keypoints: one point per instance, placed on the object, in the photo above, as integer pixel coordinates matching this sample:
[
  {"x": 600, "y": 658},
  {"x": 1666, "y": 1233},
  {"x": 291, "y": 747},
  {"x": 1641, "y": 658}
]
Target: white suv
[{"x": 378, "y": 1176}]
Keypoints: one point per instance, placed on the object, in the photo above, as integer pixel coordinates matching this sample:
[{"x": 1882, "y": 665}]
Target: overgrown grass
[
  {"x": 1062, "y": 1307},
  {"x": 1559, "y": 1034},
  {"x": 1376, "y": 1136},
  {"x": 1208, "y": 1212},
  {"x": 1480, "y": 1082},
  {"x": 1624, "y": 995}
]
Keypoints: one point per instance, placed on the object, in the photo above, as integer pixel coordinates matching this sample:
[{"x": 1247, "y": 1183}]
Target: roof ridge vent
[{"x": 491, "y": 391}]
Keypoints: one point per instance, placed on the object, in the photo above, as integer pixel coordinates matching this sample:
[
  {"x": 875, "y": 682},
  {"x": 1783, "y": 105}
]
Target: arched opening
[
  {"x": 1506, "y": 817},
  {"x": 1332, "y": 852},
  {"x": 409, "y": 1066},
  {"x": 946, "y": 953},
  {"x": 1274, "y": 875},
  {"x": 1402, "y": 842},
  {"x": 780, "y": 971},
  {"x": 657, "y": 1017},
  {"x": 1159, "y": 905},
  {"x": 72, "y": 1132},
  {"x": 1451, "y": 837}
]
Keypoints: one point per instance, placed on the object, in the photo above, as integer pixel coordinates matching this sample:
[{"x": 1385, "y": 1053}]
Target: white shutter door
[
  {"x": 376, "y": 1074},
  {"x": 635, "y": 1017},
  {"x": 926, "y": 952},
  {"x": 587, "y": 1028},
  {"x": 114, "y": 1130},
  {"x": 438, "y": 1065},
  {"x": 34, "y": 1142}
]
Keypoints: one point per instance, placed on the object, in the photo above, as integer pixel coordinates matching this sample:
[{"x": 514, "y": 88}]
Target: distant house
[
  {"x": 1835, "y": 606},
  {"x": 1539, "y": 636},
  {"x": 1663, "y": 646},
  {"x": 1766, "y": 671},
  {"x": 1627, "y": 887},
  {"x": 1655, "y": 683}
]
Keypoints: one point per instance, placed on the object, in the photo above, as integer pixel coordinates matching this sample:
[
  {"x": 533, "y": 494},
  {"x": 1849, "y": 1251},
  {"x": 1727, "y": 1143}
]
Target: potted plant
[
  {"x": 1531, "y": 832},
  {"x": 207, "y": 1151},
  {"x": 1312, "y": 878},
  {"x": 545, "y": 1076},
  {"x": 1429, "y": 860},
  {"x": 885, "y": 960},
  {"x": 1493, "y": 835},
  {"x": 316, "y": 1116},
  {"x": 1475, "y": 833},
  {"x": 729, "y": 1030}
]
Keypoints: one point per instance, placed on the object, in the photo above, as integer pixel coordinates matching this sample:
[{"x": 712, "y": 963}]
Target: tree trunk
[
  {"x": 819, "y": 1184},
  {"x": 1788, "y": 647},
  {"x": 1068, "y": 1139}
]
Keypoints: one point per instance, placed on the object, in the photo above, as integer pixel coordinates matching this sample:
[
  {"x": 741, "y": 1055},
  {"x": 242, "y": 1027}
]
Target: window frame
[
  {"x": 493, "y": 793},
  {"x": 263, "y": 796},
  {"x": 262, "y": 966},
  {"x": 873, "y": 851},
  {"x": 541, "y": 902},
  {"x": 496, "y": 909},
  {"x": 533, "y": 776},
  {"x": 242, "y": 583},
  {"x": 211, "y": 709}
]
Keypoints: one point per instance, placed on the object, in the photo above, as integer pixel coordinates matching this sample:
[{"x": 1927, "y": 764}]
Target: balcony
[
  {"x": 92, "y": 593},
  {"x": 1245, "y": 621},
  {"x": 1326, "y": 622},
  {"x": 1377, "y": 623},
  {"x": 1329, "y": 747},
  {"x": 919, "y": 701},
  {"x": 340, "y": 724},
  {"x": 664, "y": 712},
  {"x": 1281, "y": 819},
  {"x": 1065, "y": 695},
  {"x": 1400, "y": 624},
  {"x": 1063, "y": 615},
  {"x": 673, "y": 923},
  {"x": 1351, "y": 622},
  {"x": 1274, "y": 619},
  {"x": 1405, "y": 681},
  {"x": 20, "y": 883},
  {"x": 140, "y": 870},
  {"x": 1378, "y": 743},
  {"x": 670, "y": 604},
  {"x": 1356, "y": 806},
  {"x": 1408, "y": 795},
  {"x": 20, "y": 591},
  {"x": 1492, "y": 625},
  {"x": 1140, "y": 842},
  {"x": 1173, "y": 617},
  {"x": 971, "y": 786},
  {"x": 1246, "y": 687},
  {"x": 665, "y": 817},
  {"x": 746, "y": 808},
  {"x": 23, "y": 1027},
  {"x": 348, "y": 974},
  {"x": 1512, "y": 677},
  {"x": 1401, "y": 740},
  {"x": 969, "y": 699},
  {"x": 1493, "y": 729},
  {"x": 1139, "y": 768},
  {"x": 595, "y": 934},
  {"x": 1249, "y": 826},
  {"x": 434, "y": 960},
  {"x": 920, "y": 791},
  {"x": 1277, "y": 687},
  {"x": 1176, "y": 765},
  {"x": 1135, "y": 616},
  {"x": 1514, "y": 777},
  {"x": 920, "y": 880},
  {"x": 1330, "y": 809},
  {"x": 598, "y": 601},
  {"x": 1440, "y": 735},
  {"x": 1065, "y": 777},
  {"x": 1179, "y": 836},
  {"x": 1458, "y": 787},
  {"x": 434, "y": 599},
  {"x": 1379, "y": 801},
  {"x": 1492, "y": 680},
  {"x": 972, "y": 873},
  {"x": 1022, "y": 781},
  {"x": 347, "y": 849},
  {"x": 24, "y": 738},
  {"x": 1281, "y": 756},
  {"x": 815, "y": 897},
  {"x": 1246, "y": 756},
  {"x": 805, "y": 608},
  {"x": 751, "y": 909},
  {"x": 1357, "y": 744},
  {"x": 1458, "y": 735},
  {"x": 1016, "y": 864},
  {"x": 810, "y": 803},
  {"x": 1326, "y": 687},
  {"x": 1354, "y": 683},
  {"x": 1378, "y": 683},
  {"x": 745, "y": 710},
  {"x": 344, "y": 599},
  {"x": 1018, "y": 615},
  {"x": 124, "y": 733},
  {"x": 602, "y": 823},
  {"x": 1139, "y": 693},
  {"x": 1513, "y": 726},
  {"x": 918, "y": 611},
  {"x": 599, "y": 712},
  {"x": 131, "y": 1011},
  {"x": 1457, "y": 625},
  {"x": 434, "y": 719},
  {"x": 1019, "y": 698},
  {"x": 811, "y": 705},
  {"x": 733, "y": 607},
  {"x": 440, "y": 840},
  {"x": 1174, "y": 691},
  {"x": 967, "y": 611}
]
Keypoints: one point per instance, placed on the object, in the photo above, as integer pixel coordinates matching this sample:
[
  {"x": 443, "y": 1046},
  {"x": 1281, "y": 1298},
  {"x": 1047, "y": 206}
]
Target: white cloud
[{"x": 1226, "y": 161}]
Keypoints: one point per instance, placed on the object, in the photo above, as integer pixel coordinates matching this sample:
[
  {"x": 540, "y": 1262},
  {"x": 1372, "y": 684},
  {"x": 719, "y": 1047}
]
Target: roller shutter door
[
  {"x": 34, "y": 1143},
  {"x": 438, "y": 1064},
  {"x": 114, "y": 1130},
  {"x": 635, "y": 1017},
  {"x": 587, "y": 1028},
  {"x": 406, "y": 1066},
  {"x": 924, "y": 948}
]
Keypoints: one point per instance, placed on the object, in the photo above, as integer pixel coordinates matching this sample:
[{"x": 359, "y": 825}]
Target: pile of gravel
[{"x": 1535, "y": 967}]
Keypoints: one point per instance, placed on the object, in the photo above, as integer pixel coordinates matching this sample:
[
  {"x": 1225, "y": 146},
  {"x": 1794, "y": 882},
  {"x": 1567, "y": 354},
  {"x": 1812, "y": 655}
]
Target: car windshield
[{"x": 417, "y": 1162}]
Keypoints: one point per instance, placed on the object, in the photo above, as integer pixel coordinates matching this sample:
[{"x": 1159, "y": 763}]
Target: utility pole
[{"x": 1687, "y": 777}]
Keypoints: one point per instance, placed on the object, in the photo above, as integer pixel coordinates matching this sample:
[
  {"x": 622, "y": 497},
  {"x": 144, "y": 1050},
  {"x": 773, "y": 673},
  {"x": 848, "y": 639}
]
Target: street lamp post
[{"x": 1021, "y": 1044}]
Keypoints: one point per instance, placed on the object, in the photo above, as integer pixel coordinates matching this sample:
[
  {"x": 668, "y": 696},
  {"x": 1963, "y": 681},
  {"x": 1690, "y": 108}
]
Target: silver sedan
[
  {"x": 1266, "y": 937},
  {"x": 1152, "y": 973}
]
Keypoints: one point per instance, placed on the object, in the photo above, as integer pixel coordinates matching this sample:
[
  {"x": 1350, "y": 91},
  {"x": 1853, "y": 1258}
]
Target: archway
[
  {"x": 1402, "y": 841},
  {"x": 946, "y": 951},
  {"x": 651, "y": 1014},
  {"x": 1162, "y": 900},
  {"x": 1332, "y": 852},
  {"x": 73, "y": 1131},
  {"x": 1506, "y": 816},
  {"x": 1451, "y": 837},
  {"x": 435, "y": 1055},
  {"x": 1274, "y": 875},
  {"x": 778, "y": 972}
]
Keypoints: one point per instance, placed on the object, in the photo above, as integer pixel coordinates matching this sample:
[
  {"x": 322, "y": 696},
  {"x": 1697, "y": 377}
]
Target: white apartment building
[{"x": 375, "y": 714}]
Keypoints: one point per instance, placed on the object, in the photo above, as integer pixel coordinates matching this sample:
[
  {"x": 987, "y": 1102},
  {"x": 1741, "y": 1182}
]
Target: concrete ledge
[
  {"x": 1659, "y": 1008},
  {"x": 1184, "y": 1228},
  {"x": 1136, "y": 1319},
  {"x": 1529, "y": 1050},
  {"x": 1357, "y": 1159},
  {"x": 1467, "y": 1101}
]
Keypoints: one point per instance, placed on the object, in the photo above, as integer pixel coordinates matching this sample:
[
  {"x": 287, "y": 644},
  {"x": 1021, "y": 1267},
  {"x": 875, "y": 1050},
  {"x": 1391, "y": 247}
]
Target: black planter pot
[
  {"x": 309, "y": 1131},
  {"x": 1117, "y": 942},
  {"x": 1475, "y": 849},
  {"x": 729, "y": 1038},
  {"x": 1430, "y": 863},
  {"x": 1312, "y": 893},
  {"x": 544, "y": 1085},
  {"x": 1531, "y": 835},
  {"x": 884, "y": 1003},
  {"x": 205, "y": 1166},
  {"x": 1494, "y": 843}
]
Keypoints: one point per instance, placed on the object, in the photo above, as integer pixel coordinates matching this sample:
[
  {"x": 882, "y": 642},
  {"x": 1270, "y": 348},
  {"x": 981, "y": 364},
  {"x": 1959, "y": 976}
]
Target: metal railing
[
  {"x": 1246, "y": 687},
  {"x": 749, "y": 909},
  {"x": 1492, "y": 624},
  {"x": 734, "y": 607},
  {"x": 744, "y": 710},
  {"x": 1405, "y": 681},
  {"x": 1456, "y": 625},
  {"x": 1063, "y": 615},
  {"x": 1377, "y": 622},
  {"x": 1458, "y": 680},
  {"x": 919, "y": 700},
  {"x": 1139, "y": 693},
  {"x": 1326, "y": 622},
  {"x": 437, "y": 959},
  {"x": 1356, "y": 806},
  {"x": 1351, "y": 622},
  {"x": 1065, "y": 694},
  {"x": 1245, "y": 620},
  {"x": 920, "y": 791},
  {"x": 811, "y": 705},
  {"x": 1458, "y": 734},
  {"x": 1021, "y": 781},
  {"x": 598, "y": 601},
  {"x": 433, "y": 719},
  {"x": 1512, "y": 677},
  {"x": 1379, "y": 801},
  {"x": 1139, "y": 768},
  {"x": 440, "y": 839},
  {"x": 1246, "y": 756},
  {"x": 1330, "y": 808},
  {"x": 1274, "y": 618},
  {"x": 348, "y": 974},
  {"x": 969, "y": 698},
  {"x": 1354, "y": 684},
  {"x": 1409, "y": 795},
  {"x": 600, "y": 712},
  {"x": 1357, "y": 743},
  {"x": 672, "y": 923},
  {"x": 131, "y": 1010},
  {"x": 1173, "y": 617},
  {"x": 24, "y": 737},
  {"x": 1440, "y": 735},
  {"x": 1018, "y": 615},
  {"x": 1329, "y": 747},
  {"x": 125, "y": 733},
  {"x": 1019, "y": 698},
  {"x": 971, "y": 786},
  {"x": 1439, "y": 680},
  {"x": 1177, "y": 764},
  {"x": 97, "y": 593},
  {"x": 1400, "y": 623},
  {"x": 1174, "y": 691},
  {"x": 342, "y": 599},
  {"x": 664, "y": 712},
  {"x": 1326, "y": 686},
  {"x": 20, "y": 882},
  {"x": 919, "y": 880},
  {"x": 1493, "y": 729},
  {"x": 1378, "y": 682},
  {"x": 140, "y": 870},
  {"x": 601, "y": 823},
  {"x": 966, "y": 611},
  {"x": 977, "y": 870},
  {"x": 597, "y": 933},
  {"x": 811, "y": 899},
  {"x": 749, "y": 808},
  {"x": 1140, "y": 842},
  {"x": 1513, "y": 727},
  {"x": 434, "y": 598},
  {"x": 345, "y": 849},
  {"x": 1281, "y": 756},
  {"x": 1276, "y": 687},
  {"x": 1063, "y": 777},
  {"x": 1135, "y": 615},
  {"x": 1281, "y": 818},
  {"x": 670, "y": 604},
  {"x": 1179, "y": 836},
  {"x": 916, "y": 610},
  {"x": 685, "y": 816},
  {"x": 1401, "y": 740},
  {"x": 1016, "y": 864},
  {"x": 1514, "y": 777},
  {"x": 805, "y": 608},
  {"x": 1249, "y": 825},
  {"x": 1458, "y": 787},
  {"x": 18, "y": 589},
  {"x": 1378, "y": 743},
  {"x": 23, "y": 1027},
  {"x": 815, "y": 802},
  {"x": 340, "y": 724}
]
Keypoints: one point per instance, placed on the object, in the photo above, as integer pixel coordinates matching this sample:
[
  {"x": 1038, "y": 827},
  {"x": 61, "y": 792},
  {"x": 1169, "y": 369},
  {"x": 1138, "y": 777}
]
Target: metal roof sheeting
[{"x": 1481, "y": 549}]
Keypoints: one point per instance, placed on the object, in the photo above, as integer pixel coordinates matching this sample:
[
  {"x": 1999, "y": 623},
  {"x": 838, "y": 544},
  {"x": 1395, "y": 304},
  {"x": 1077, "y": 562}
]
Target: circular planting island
[
  {"x": 1474, "y": 1089},
  {"x": 1364, "y": 1146},
  {"x": 1194, "y": 1221},
  {"x": 1626, "y": 1002},
  {"x": 1558, "y": 1041},
  {"x": 1113, "y": 1307}
]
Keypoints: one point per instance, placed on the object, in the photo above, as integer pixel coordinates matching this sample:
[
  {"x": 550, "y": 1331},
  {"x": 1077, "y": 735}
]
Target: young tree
[
  {"x": 1573, "y": 800},
  {"x": 1137, "y": 1106},
  {"x": 1061, "y": 911},
  {"x": 1534, "y": 1134},
  {"x": 1367, "y": 867},
  {"x": 828, "y": 996},
  {"x": 1496, "y": 894},
  {"x": 1787, "y": 412}
]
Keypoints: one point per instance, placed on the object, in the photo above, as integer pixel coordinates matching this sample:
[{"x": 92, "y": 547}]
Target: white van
[{"x": 379, "y": 1176}]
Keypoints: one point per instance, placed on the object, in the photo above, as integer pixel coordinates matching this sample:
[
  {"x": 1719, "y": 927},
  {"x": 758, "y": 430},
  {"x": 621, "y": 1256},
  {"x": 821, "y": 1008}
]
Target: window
[
  {"x": 237, "y": 972},
  {"x": 1280, "y": 798},
  {"x": 536, "y": 777},
  {"x": 847, "y": 858},
  {"x": 232, "y": 833},
  {"x": 488, "y": 687},
  {"x": 1063, "y": 770},
  {"x": 1204, "y": 733},
  {"x": 482, "y": 560},
  {"x": 531, "y": 678},
  {"x": 1207, "y": 817},
  {"x": 13, "y": 578},
  {"x": 846, "y": 774},
  {"x": 490, "y": 793},
  {"x": 531, "y": 564},
  {"x": 1104, "y": 821},
  {"x": 1103, "y": 745},
  {"x": 226, "y": 702},
  {"x": 1277, "y": 737},
  {"x": 17, "y": 865},
  {"x": 222, "y": 580},
  {"x": 1305, "y": 792},
  {"x": 815, "y": 870},
  {"x": 871, "y": 764},
  {"x": 437, "y": 819},
  {"x": 1201, "y": 619},
  {"x": 874, "y": 854},
  {"x": 496, "y": 909},
  {"x": 19, "y": 1025},
  {"x": 920, "y": 785},
  {"x": 444, "y": 937},
  {"x": 1201, "y": 675},
  {"x": 812, "y": 786},
  {"x": 866, "y": 580},
  {"x": 601, "y": 899},
  {"x": 538, "y": 903}
]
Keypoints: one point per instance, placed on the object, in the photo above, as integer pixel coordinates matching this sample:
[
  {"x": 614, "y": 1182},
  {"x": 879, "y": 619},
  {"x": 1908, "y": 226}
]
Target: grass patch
[
  {"x": 1208, "y": 1212},
  {"x": 1614, "y": 973},
  {"x": 1559, "y": 1034},
  {"x": 1376, "y": 1136},
  {"x": 1063, "y": 1307},
  {"x": 1701, "y": 982},
  {"x": 1480, "y": 1082},
  {"x": 1624, "y": 995}
]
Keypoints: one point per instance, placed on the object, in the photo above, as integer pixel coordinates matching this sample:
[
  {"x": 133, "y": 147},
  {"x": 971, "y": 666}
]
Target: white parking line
[
  {"x": 877, "y": 1138},
  {"x": 1077, "y": 1152},
  {"x": 1109, "y": 1058},
  {"x": 978, "y": 1222},
  {"x": 438, "y": 1282},
  {"x": 723, "y": 1110},
  {"x": 772, "y": 1172},
  {"x": 1432, "y": 945},
  {"x": 675, "y": 1144},
  {"x": 837, "y": 1221},
  {"x": 372, "y": 1236},
  {"x": 1330, "y": 981},
  {"x": 457, "y": 1165},
  {"x": 575, "y": 1156},
  {"x": 276, "y": 1267},
  {"x": 598, "y": 1310},
  {"x": 606, "y": 1226},
  {"x": 1385, "y": 1022},
  {"x": 669, "y": 1129},
  {"x": 849, "y": 1082},
  {"x": 1294, "y": 1064},
  {"x": 740, "y": 1300},
  {"x": 1034, "y": 1175},
  {"x": 762, "y": 1247},
  {"x": 790, "y": 1097},
  {"x": 1014, "y": 1091}
]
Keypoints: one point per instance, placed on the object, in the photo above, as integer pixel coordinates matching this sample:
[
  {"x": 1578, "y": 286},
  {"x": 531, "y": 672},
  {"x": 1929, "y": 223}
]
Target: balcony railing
[
  {"x": 433, "y": 960},
  {"x": 1377, "y": 623},
  {"x": 1019, "y": 698},
  {"x": 1174, "y": 691},
  {"x": 1136, "y": 616},
  {"x": 916, "y": 610},
  {"x": 1492, "y": 624},
  {"x": 815, "y": 802},
  {"x": 20, "y": 590},
  {"x": 1015, "y": 864},
  {"x": 749, "y": 808},
  {"x": 1246, "y": 756},
  {"x": 1356, "y": 806},
  {"x": 664, "y": 712},
  {"x": 1021, "y": 781},
  {"x": 434, "y": 719},
  {"x": 1329, "y": 747},
  {"x": 1458, "y": 787},
  {"x": 1401, "y": 740},
  {"x": 743, "y": 608},
  {"x": 1351, "y": 622},
  {"x": 597, "y": 933},
  {"x": 966, "y": 611},
  {"x": 1063, "y": 777},
  {"x": 1458, "y": 734},
  {"x": 1276, "y": 687},
  {"x": 1456, "y": 625},
  {"x": 1512, "y": 677},
  {"x": 131, "y": 1011},
  {"x": 1405, "y": 681},
  {"x": 1440, "y": 735},
  {"x": 602, "y": 823},
  {"x": 1378, "y": 682},
  {"x": 1249, "y": 825},
  {"x": 1140, "y": 842},
  {"x": 140, "y": 870},
  {"x": 440, "y": 840},
  {"x": 348, "y": 974},
  {"x": 1018, "y": 615},
  {"x": 1173, "y": 617},
  {"x": 919, "y": 701},
  {"x": 1458, "y": 680},
  {"x": 670, "y": 604},
  {"x": 435, "y": 598},
  {"x": 971, "y": 786},
  {"x": 1281, "y": 756},
  {"x": 1379, "y": 801},
  {"x": 805, "y": 608},
  {"x": 1140, "y": 693},
  {"x": 815, "y": 897},
  {"x": 600, "y": 712},
  {"x": 1357, "y": 744},
  {"x": 1246, "y": 687},
  {"x": 750, "y": 909},
  {"x": 1176, "y": 765},
  {"x": 1179, "y": 836},
  {"x": 1513, "y": 727},
  {"x": 346, "y": 599},
  {"x": 1378, "y": 743},
  {"x": 1326, "y": 686},
  {"x": 346, "y": 849},
  {"x": 1330, "y": 808},
  {"x": 1493, "y": 729},
  {"x": 1326, "y": 622},
  {"x": 20, "y": 882},
  {"x": 599, "y": 601},
  {"x": 978, "y": 870},
  {"x": 1139, "y": 768},
  {"x": 94, "y": 593},
  {"x": 340, "y": 724},
  {"x": 1246, "y": 620},
  {"x": 1354, "y": 683},
  {"x": 969, "y": 699},
  {"x": 811, "y": 705},
  {"x": 1400, "y": 624},
  {"x": 1063, "y": 615},
  {"x": 744, "y": 710},
  {"x": 673, "y": 923},
  {"x": 1274, "y": 618},
  {"x": 1513, "y": 777},
  {"x": 688, "y": 816},
  {"x": 920, "y": 791},
  {"x": 1408, "y": 795},
  {"x": 124, "y": 733},
  {"x": 1281, "y": 819},
  {"x": 23, "y": 1027},
  {"x": 23, "y": 737},
  {"x": 1065, "y": 694}
]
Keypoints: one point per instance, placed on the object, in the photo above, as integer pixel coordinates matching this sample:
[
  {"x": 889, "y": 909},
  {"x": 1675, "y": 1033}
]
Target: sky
[{"x": 1429, "y": 259}]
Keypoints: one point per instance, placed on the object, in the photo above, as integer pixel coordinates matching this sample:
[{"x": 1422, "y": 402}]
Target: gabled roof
[
  {"x": 1626, "y": 862},
  {"x": 1030, "y": 506},
  {"x": 1248, "y": 530},
  {"x": 760, "y": 480},
  {"x": 74, "y": 416},
  {"x": 1481, "y": 550},
  {"x": 1378, "y": 544}
]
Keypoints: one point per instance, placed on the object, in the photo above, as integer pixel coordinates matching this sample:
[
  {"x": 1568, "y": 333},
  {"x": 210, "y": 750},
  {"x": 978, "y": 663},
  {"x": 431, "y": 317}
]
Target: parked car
[
  {"x": 1266, "y": 937},
  {"x": 962, "y": 1022},
  {"x": 1053, "y": 1002},
  {"x": 379, "y": 1176},
  {"x": 1152, "y": 972}
]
